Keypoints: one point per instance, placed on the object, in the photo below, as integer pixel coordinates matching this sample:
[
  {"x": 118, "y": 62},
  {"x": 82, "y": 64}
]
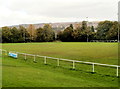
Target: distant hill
[{"x": 58, "y": 26}]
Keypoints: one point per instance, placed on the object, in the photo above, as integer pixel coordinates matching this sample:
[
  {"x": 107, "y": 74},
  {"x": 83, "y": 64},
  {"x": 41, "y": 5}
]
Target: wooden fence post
[
  {"x": 58, "y": 62},
  {"x": 45, "y": 61},
  {"x": 73, "y": 64},
  {"x": 34, "y": 58},
  {"x": 93, "y": 69},
  {"x": 117, "y": 71},
  {"x": 25, "y": 56}
]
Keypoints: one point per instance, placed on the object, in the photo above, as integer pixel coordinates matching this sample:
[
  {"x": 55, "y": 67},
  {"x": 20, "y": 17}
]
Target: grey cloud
[{"x": 28, "y": 11}]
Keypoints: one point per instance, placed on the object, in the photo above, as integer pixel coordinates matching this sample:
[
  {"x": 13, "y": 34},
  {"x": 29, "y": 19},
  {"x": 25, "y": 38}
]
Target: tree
[
  {"x": 66, "y": 35},
  {"x": 112, "y": 34},
  {"x": 49, "y": 34},
  {"x": 71, "y": 25},
  {"x": 32, "y": 31},
  {"x": 92, "y": 29},
  {"x": 15, "y": 34},
  {"x": 23, "y": 34},
  {"x": 6, "y": 35},
  {"x": 76, "y": 35},
  {"x": 84, "y": 25},
  {"x": 81, "y": 34},
  {"x": 45, "y": 34},
  {"x": 40, "y": 35},
  {"x": 103, "y": 28}
]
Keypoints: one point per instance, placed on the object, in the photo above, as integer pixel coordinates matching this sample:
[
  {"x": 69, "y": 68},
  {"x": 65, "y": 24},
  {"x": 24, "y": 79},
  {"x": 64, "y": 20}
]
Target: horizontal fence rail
[
  {"x": 103, "y": 40},
  {"x": 58, "y": 60}
]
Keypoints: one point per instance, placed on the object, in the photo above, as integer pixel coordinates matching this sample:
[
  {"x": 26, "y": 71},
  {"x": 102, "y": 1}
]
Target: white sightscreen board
[
  {"x": 0, "y": 72},
  {"x": 119, "y": 11}
]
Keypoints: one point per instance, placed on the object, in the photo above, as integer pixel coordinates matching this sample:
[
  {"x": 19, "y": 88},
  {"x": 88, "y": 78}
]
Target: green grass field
[{"x": 21, "y": 73}]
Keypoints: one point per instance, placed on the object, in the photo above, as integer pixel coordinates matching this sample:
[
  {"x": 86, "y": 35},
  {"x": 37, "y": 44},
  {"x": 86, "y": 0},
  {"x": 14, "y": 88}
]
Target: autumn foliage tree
[
  {"x": 106, "y": 30},
  {"x": 32, "y": 31}
]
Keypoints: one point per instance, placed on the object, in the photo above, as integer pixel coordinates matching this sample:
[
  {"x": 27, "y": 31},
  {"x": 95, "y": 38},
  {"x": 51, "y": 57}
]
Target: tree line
[
  {"x": 106, "y": 30},
  {"x": 30, "y": 34}
]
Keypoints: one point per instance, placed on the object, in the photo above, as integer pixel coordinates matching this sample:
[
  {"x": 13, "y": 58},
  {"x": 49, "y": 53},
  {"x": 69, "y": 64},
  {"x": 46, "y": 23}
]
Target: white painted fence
[
  {"x": 58, "y": 61},
  {"x": 103, "y": 40}
]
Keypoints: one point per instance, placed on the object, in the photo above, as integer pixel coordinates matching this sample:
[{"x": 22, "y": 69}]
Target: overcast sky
[{"x": 13, "y": 12}]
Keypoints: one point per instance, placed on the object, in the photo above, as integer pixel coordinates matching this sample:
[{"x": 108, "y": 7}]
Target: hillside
[{"x": 60, "y": 25}]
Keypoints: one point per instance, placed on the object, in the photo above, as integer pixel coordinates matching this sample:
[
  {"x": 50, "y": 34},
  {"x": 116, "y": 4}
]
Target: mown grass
[
  {"x": 21, "y": 73},
  {"x": 26, "y": 73},
  {"x": 93, "y": 52}
]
